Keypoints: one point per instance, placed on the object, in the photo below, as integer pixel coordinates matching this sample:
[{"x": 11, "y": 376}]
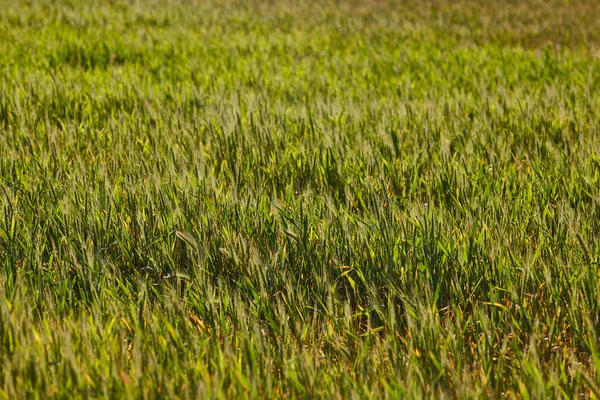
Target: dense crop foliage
[{"x": 299, "y": 199}]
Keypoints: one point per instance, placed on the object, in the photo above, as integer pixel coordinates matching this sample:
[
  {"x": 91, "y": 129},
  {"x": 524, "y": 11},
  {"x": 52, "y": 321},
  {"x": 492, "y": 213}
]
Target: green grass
[{"x": 299, "y": 199}]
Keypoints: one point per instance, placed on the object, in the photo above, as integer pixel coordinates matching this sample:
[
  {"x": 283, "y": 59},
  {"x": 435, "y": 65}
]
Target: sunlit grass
[{"x": 300, "y": 199}]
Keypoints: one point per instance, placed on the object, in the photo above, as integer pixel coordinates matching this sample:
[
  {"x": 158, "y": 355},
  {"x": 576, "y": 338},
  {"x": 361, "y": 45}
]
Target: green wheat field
[{"x": 299, "y": 199}]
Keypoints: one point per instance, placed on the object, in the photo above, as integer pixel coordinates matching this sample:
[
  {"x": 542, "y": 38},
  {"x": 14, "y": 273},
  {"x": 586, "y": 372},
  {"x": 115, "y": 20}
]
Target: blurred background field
[{"x": 220, "y": 199}]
